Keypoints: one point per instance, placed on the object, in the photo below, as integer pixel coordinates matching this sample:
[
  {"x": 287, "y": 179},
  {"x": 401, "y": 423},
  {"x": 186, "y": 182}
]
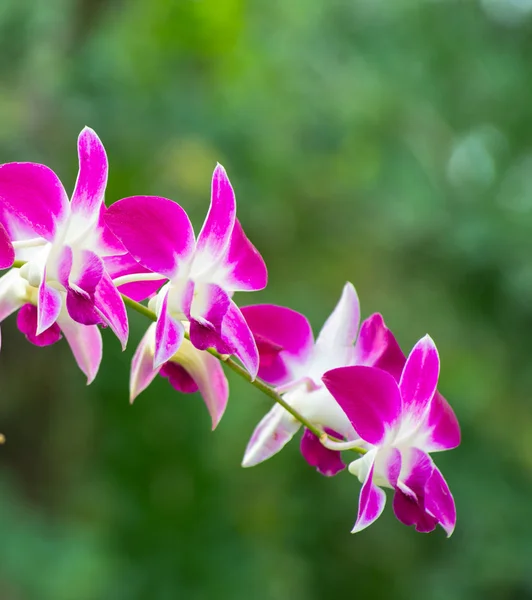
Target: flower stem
[
  {"x": 234, "y": 366},
  {"x": 257, "y": 383}
]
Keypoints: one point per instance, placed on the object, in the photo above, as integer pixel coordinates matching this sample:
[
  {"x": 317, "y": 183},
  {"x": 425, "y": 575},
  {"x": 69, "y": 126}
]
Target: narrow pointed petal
[
  {"x": 327, "y": 462},
  {"x": 442, "y": 425},
  {"x": 48, "y": 306},
  {"x": 237, "y": 335},
  {"x": 271, "y": 435},
  {"x": 439, "y": 501},
  {"x": 112, "y": 309},
  {"x": 340, "y": 329},
  {"x": 142, "y": 370},
  {"x": 242, "y": 268},
  {"x": 34, "y": 194},
  {"x": 169, "y": 334},
  {"x": 215, "y": 234},
  {"x": 7, "y": 252},
  {"x": 419, "y": 379},
  {"x": 27, "y": 324},
  {"x": 208, "y": 375},
  {"x": 377, "y": 347},
  {"x": 369, "y": 397},
  {"x": 85, "y": 341},
  {"x": 371, "y": 503},
  {"x": 284, "y": 341},
  {"x": 89, "y": 191},
  {"x": 155, "y": 231}
]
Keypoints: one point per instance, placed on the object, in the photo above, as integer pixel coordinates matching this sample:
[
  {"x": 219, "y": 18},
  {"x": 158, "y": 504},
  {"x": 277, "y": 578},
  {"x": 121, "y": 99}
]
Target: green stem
[{"x": 234, "y": 366}]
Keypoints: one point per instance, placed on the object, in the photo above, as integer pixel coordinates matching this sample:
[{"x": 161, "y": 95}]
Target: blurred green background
[{"x": 385, "y": 142}]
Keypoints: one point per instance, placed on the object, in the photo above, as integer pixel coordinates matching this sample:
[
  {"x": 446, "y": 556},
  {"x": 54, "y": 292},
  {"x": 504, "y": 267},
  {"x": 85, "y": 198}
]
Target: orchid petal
[
  {"x": 112, "y": 309},
  {"x": 271, "y": 435},
  {"x": 369, "y": 397},
  {"x": 34, "y": 194},
  {"x": 237, "y": 335},
  {"x": 216, "y": 232},
  {"x": 341, "y": 328},
  {"x": 243, "y": 268},
  {"x": 327, "y": 462},
  {"x": 208, "y": 375},
  {"x": 142, "y": 370},
  {"x": 169, "y": 334},
  {"x": 442, "y": 425},
  {"x": 419, "y": 379},
  {"x": 85, "y": 341},
  {"x": 89, "y": 190},
  {"x": 48, "y": 306},
  {"x": 371, "y": 503},
  {"x": 27, "y": 324},
  {"x": 155, "y": 231},
  {"x": 377, "y": 347},
  {"x": 7, "y": 252},
  {"x": 439, "y": 501},
  {"x": 284, "y": 341}
]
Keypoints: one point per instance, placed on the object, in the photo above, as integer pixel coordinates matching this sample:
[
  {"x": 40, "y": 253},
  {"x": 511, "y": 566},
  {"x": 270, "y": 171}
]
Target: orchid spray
[{"x": 75, "y": 265}]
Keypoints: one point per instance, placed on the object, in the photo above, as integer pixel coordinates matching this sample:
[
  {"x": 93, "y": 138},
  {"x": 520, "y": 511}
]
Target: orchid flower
[
  {"x": 295, "y": 364},
  {"x": 400, "y": 423},
  {"x": 188, "y": 370},
  {"x": 85, "y": 340},
  {"x": 201, "y": 274},
  {"x": 63, "y": 242}
]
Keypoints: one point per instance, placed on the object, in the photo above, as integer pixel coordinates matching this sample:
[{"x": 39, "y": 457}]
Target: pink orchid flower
[
  {"x": 295, "y": 364},
  {"x": 202, "y": 274},
  {"x": 85, "y": 341},
  {"x": 188, "y": 370},
  {"x": 400, "y": 423},
  {"x": 63, "y": 242}
]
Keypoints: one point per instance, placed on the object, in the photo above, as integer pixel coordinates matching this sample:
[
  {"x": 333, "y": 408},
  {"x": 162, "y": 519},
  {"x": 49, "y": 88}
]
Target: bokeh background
[{"x": 385, "y": 142}]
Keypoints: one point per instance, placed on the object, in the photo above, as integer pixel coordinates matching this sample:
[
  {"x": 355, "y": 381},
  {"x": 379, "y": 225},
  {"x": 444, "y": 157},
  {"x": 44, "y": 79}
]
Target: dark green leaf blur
[{"x": 385, "y": 142}]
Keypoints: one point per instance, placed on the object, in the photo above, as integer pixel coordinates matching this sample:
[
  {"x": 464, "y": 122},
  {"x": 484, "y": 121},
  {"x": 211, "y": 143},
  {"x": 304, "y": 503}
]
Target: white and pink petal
[
  {"x": 271, "y": 435},
  {"x": 215, "y": 235},
  {"x": 207, "y": 375},
  {"x": 85, "y": 341}
]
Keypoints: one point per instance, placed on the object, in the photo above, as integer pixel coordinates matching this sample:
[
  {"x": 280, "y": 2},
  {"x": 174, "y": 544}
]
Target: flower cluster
[{"x": 75, "y": 264}]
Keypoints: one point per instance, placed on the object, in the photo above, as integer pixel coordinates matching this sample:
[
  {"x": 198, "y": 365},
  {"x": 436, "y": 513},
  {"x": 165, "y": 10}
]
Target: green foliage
[{"x": 387, "y": 143}]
